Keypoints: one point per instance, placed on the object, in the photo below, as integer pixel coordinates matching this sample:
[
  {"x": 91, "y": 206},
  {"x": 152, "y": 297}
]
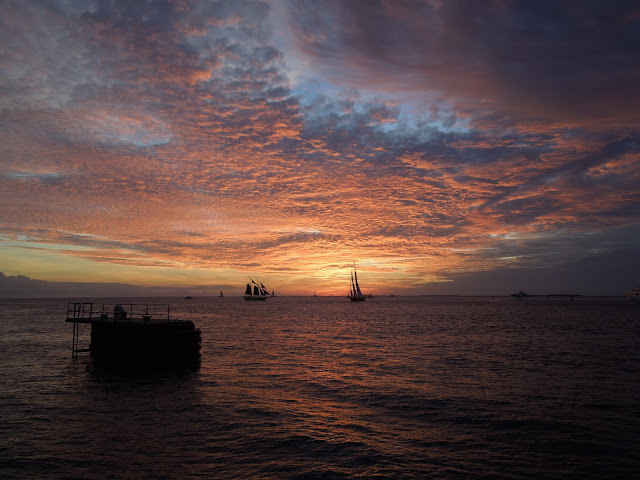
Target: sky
[{"x": 442, "y": 147}]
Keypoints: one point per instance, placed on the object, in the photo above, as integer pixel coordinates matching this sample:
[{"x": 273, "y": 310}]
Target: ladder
[{"x": 79, "y": 311}]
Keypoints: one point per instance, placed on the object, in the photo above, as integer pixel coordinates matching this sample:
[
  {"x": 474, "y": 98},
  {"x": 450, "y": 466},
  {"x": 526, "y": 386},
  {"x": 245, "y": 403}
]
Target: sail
[
  {"x": 255, "y": 290},
  {"x": 357, "y": 286},
  {"x": 246, "y": 292},
  {"x": 351, "y": 289}
]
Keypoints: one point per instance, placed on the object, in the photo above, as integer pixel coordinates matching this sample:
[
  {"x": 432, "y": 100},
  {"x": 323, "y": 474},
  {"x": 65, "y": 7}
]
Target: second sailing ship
[{"x": 354, "y": 293}]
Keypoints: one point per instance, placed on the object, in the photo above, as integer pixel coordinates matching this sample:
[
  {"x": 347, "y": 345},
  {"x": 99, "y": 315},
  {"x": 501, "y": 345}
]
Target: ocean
[{"x": 324, "y": 388}]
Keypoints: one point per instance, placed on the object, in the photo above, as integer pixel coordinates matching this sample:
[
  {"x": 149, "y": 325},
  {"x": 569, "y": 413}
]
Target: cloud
[
  {"x": 555, "y": 60},
  {"x": 423, "y": 140},
  {"x": 21, "y": 286}
]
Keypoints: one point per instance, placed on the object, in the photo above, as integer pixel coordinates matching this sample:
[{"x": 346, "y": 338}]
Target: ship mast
[{"x": 355, "y": 273}]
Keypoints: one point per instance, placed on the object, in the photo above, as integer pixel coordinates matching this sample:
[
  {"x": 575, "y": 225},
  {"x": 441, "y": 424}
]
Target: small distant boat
[
  {"x": 221, "y": 295},
  {"x": 314, "y": 294},
  {"x": 273, "y": 293},
  {"x": 633, "y": 294},
  {"x": 520, "y": 294},
  {"x": 354, "y": 293},
  {"x": 188, "y": 297},
  {"x": 256, "y": 291}
]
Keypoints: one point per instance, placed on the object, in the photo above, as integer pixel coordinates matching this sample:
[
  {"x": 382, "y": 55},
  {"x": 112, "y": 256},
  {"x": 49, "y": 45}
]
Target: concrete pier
[{"x": 135, "y": 335}]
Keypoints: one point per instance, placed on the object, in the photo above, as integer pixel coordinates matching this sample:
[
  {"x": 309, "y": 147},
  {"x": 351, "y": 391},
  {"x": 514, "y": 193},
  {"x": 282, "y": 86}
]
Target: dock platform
[{"x": 134, "y": 334}]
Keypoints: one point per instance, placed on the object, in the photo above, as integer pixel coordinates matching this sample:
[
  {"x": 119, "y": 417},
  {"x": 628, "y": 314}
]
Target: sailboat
[
  {"x": 221, "y": 293},
  {"x": 255, "y": 292},
  {"x": 354, "y": 293}
]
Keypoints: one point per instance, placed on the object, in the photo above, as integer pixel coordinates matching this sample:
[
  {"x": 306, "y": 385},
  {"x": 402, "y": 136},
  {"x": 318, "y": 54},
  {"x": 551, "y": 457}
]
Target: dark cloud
[
  {"x": 21, "y": 286},
  {"x": 609, "y": 274},
  {"x": 555, "y": 60}
]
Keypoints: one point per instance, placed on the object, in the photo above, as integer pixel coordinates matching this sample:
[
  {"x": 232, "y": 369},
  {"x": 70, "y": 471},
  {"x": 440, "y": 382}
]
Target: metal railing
[{"x": 84, "y": 311}]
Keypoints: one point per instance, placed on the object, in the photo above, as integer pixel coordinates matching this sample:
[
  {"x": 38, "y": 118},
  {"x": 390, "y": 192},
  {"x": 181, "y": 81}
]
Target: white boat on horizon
[{"x": 633, "y": 294}]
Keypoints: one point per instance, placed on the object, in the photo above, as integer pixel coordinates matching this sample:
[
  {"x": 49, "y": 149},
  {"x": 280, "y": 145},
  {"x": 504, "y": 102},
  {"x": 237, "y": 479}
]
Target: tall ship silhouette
[
  {"x": 256, "y": 291},
  {"x": 355, "y": 294}
]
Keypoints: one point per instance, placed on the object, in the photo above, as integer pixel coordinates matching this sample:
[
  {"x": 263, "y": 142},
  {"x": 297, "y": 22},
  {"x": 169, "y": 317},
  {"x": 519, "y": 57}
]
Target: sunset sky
[{"x": 457, "y": 147}]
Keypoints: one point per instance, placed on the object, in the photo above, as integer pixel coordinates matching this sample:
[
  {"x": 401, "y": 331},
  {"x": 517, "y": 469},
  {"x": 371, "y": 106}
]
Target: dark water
[{"x": 297, "y": 388}]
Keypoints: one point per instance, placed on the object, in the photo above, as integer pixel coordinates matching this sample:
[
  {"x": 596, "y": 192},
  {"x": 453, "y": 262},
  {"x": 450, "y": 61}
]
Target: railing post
[{"x": 74, "y": 344}]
